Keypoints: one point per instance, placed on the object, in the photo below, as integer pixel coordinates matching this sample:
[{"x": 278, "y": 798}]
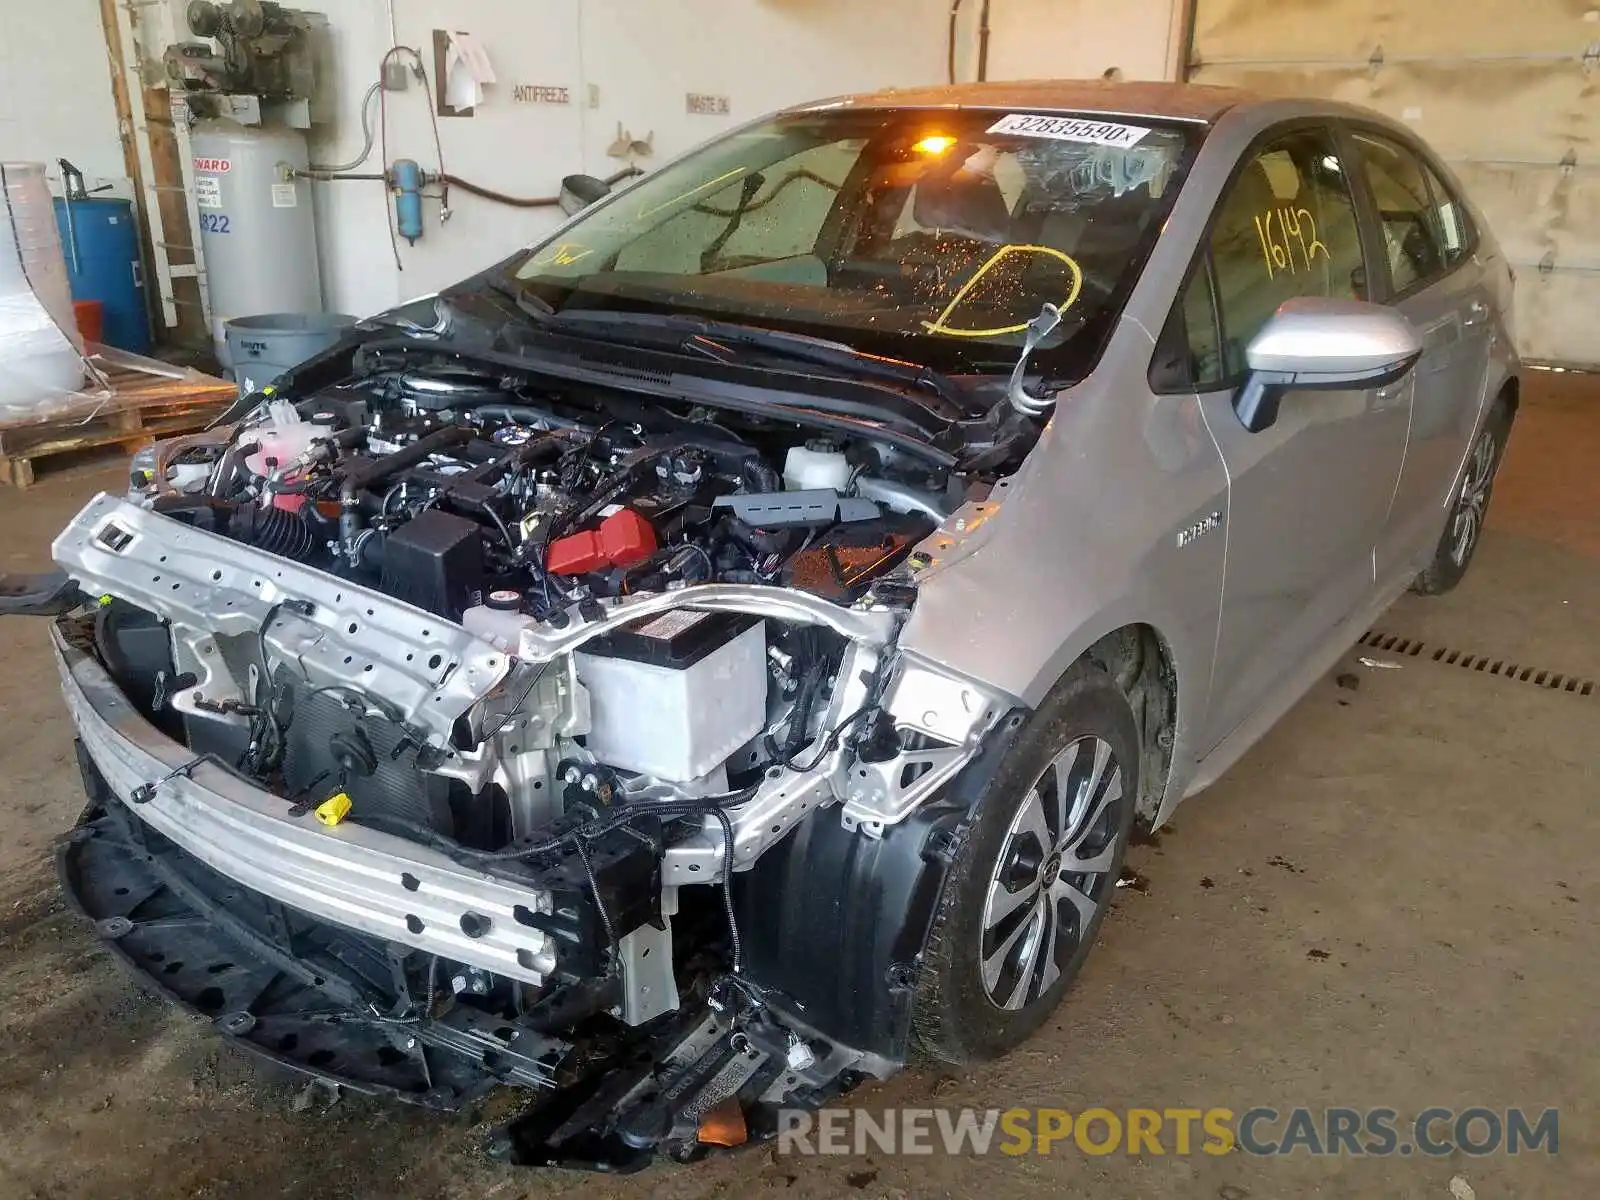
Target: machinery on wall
[
  {"x": 266, "y": 65},
  {"x": 251, "y": 93}
]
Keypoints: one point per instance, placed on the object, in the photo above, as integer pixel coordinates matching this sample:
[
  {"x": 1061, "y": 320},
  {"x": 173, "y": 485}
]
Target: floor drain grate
[{"x": 1555, "y": 681}]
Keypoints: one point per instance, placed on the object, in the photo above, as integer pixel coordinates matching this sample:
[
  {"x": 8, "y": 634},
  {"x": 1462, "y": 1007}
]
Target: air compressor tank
[{"x": 256, "y": 223}]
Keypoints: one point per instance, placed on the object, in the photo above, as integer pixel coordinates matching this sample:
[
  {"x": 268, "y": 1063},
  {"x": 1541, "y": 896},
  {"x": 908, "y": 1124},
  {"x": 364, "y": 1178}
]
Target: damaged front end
[{"x": 428, "y": 758}]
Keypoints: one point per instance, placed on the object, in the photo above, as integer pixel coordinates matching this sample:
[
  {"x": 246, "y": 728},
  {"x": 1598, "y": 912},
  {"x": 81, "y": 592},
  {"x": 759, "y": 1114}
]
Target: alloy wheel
[
  {"x": 1473, "y": 501},
  {"x": 1053, "y": 873}
]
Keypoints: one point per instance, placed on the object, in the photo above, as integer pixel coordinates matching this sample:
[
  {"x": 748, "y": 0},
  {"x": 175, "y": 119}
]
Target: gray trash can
[{"x": 262, "y": 348}]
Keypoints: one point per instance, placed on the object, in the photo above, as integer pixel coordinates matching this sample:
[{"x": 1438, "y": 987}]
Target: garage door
[{"x": 1508, "y": 94}]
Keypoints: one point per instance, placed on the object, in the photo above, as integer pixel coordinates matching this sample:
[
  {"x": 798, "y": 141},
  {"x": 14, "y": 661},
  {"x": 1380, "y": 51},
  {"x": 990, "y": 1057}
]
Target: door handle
[{"x": 1477, "y": 313}]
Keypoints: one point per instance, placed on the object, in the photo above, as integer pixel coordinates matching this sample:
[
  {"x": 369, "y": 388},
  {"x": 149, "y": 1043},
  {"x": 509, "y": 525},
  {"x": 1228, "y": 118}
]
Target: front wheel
[
  {"x": 1032, "y": 881},
  {"x": 1469, "y": 508}
]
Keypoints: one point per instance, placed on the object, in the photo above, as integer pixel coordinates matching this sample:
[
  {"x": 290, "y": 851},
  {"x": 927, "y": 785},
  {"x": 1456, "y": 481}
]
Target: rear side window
[
  {"x": 1455, "y": 227},
  {"x": 1285, "y": 228},
  {"x": 1412, "y": 238}
]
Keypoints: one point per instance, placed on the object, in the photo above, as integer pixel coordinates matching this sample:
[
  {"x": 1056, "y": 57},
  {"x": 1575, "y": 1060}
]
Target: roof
[{"x": 1180, "y": 101}]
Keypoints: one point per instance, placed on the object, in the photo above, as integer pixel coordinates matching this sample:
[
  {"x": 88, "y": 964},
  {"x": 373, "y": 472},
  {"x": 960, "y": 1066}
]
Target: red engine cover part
[{"x": 621, "y": 540}]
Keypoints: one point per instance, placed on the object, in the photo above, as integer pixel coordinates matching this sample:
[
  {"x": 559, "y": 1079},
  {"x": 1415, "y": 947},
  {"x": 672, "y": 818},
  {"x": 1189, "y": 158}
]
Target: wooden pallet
[{"x": 148, "y": 401}]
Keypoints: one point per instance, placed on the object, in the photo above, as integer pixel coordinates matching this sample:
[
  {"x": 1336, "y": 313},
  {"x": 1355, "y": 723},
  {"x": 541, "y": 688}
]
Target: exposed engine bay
[
  {"x": 559, "y": 680},
  {"x": 498, "y": 497},
  {"x": 436, "y": 491}
]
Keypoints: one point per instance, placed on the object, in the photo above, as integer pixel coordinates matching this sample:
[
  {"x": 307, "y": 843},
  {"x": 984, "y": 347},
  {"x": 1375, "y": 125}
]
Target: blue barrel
[{"x": 100, "y": 240}]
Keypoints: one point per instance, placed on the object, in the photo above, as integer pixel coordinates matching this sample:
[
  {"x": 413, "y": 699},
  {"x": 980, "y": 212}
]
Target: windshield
[{"x": 928, "y": 235}]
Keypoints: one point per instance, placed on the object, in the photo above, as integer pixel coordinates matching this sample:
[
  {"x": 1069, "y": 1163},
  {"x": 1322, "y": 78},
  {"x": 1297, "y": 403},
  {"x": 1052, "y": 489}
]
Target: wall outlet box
[{"x": 396, "y": 76}]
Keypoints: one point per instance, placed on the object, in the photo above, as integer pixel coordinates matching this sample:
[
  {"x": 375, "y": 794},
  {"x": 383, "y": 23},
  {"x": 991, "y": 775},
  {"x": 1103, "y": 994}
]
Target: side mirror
[
  {"x": 580, "y": 191},
  {"x": 1311, "y": 342}
]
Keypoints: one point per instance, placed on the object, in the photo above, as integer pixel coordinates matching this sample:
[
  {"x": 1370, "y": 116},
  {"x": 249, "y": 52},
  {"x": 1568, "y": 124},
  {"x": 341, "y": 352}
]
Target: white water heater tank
[{"x": 257, "y": 229}]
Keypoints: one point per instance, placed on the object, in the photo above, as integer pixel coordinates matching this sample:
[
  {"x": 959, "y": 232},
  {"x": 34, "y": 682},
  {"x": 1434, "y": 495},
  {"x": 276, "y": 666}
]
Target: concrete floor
[{"x": 1388, "y": 902}]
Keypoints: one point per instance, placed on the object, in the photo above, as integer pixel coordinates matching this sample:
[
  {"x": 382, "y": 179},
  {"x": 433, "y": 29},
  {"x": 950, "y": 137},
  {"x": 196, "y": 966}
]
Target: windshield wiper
[
  {"x": 830, "y": 413},
  {"x": 536, "y": 307},
  {"x": 703, "y": 334},
  {"x": 715, "y": 339}
]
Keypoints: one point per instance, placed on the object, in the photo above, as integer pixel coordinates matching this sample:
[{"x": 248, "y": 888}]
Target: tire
[
  {"x": 1469, "y": 507},
  {"x": 980, "y": 993}
]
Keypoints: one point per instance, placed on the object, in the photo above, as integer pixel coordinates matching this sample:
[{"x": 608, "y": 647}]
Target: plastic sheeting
[{"x": 41, "y": 354}]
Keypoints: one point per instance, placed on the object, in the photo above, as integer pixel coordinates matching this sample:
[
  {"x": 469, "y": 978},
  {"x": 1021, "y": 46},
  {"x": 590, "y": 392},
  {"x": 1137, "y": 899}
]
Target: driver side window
[{"x": 1286, "y": 227}]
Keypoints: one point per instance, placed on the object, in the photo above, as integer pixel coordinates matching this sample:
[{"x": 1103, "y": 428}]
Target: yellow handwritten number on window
[
  {"x": 563, "y": 255},
  {"x": 1296, "y": 228}
]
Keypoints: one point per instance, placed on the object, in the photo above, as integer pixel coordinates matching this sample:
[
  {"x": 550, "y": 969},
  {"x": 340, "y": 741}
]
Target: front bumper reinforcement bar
[{"x": 355, "y": 877}]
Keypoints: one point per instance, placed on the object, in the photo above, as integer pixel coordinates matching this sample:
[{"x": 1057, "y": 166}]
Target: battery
[
  {"x": 674, "y": 695},
  {"x": 676, "y": 639}
]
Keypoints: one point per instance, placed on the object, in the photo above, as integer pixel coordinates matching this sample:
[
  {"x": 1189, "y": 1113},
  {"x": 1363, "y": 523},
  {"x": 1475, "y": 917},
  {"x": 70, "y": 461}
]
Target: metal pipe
[
  {"x": 378, "y": 470},
  {"x": 950, "y": 45},
  {"x": 1377, "y": 61},
  {"x": 334, "y": 176},
  {"x": 455, "y": 180},
  {"x": 983, "y": 42},
  {"x": 541, "y": 642},
  {"x": 369, "y": 135}
]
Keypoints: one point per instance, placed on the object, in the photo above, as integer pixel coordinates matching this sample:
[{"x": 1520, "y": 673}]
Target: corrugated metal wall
[{"x": 1508, "y": 94}]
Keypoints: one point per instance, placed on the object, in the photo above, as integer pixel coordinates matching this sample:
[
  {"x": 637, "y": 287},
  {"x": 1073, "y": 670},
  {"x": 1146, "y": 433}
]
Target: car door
[
  {"x": 1429, "y": 271},
  {"x": 1308, "y": 495}
]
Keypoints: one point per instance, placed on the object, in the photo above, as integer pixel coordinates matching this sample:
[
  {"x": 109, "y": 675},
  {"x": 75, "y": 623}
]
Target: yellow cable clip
[{"x": 334, "y": 809}]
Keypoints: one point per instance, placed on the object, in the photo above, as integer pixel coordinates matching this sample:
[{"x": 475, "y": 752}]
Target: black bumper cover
[
  {"x": 834, "y": 924},
  {"x": 272, "y": 981}
]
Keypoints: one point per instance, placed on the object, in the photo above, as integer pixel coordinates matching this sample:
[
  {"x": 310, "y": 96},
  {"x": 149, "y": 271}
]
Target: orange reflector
[{"x": 724, "y": 1125}]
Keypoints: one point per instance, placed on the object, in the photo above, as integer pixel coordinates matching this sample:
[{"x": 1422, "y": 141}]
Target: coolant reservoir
[
  {"x": 281, "y": 438},
  {"x": 815, "y": 465}
]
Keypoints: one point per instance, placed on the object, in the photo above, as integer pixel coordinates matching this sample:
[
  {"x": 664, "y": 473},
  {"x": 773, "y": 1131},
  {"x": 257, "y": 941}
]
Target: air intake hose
[{"x": 286, "y": 534}]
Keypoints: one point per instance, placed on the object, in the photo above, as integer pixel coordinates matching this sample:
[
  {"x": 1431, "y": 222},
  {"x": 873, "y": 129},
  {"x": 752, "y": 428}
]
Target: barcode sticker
[{"x": 1070, "y": 129}]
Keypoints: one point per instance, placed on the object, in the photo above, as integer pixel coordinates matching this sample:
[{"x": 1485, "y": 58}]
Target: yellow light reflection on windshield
[{"x": 936, "y": 144}]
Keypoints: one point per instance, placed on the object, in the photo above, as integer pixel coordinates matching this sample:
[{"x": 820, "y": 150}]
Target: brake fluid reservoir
[
  {"x": 498, "y": 619},
  {"x": 815, "y": 465}
]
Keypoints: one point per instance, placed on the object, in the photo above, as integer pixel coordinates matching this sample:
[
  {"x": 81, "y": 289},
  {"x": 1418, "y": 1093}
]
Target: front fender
[
  {"x": 1118, "y": 518},
  {"x": 837, "y": 923}
]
